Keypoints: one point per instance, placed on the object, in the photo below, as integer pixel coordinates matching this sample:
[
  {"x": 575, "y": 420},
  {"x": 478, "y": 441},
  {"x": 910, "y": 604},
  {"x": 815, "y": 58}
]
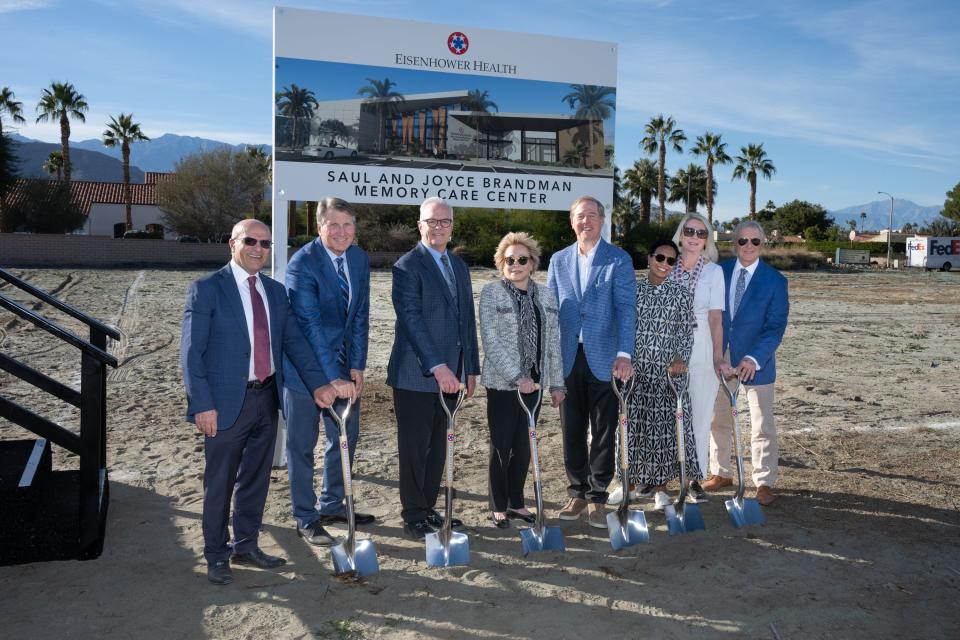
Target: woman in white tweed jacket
[{"x": 521, "y": 345}]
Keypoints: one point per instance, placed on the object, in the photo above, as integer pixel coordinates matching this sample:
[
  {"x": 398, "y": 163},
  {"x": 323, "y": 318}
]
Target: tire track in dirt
[{"x": 127, "y": 322}]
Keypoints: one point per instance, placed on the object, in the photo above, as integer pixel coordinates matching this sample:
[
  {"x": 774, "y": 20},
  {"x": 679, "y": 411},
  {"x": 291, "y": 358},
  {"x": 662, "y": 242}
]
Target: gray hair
[
  {"x": 750, "y": 224},
  {"x": 329, "y": 204},
  {"x": 582, "y": 199},
  {"x": 429, "y": 202},
  {"x": 710, "y": 248}
]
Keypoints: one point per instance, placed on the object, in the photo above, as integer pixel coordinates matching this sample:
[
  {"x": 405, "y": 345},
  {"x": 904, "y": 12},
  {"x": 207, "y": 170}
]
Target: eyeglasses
[
  {"x": 522, "y": 260},
  {"x": 443, "y": 223},
  {"x": 690, "y": 232},
  {"x": 659, "y": 257},
  {"x": 251, "y": 242},
  {"x": 743, "y": 241}
]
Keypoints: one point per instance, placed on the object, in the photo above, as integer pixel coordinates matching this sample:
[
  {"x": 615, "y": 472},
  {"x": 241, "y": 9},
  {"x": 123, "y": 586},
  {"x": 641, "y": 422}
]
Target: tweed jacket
[{"x": 499, "y": 333}]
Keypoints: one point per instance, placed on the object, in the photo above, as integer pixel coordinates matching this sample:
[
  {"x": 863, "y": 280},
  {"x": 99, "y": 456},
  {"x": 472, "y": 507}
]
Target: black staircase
[{"x": 47, "y": 514}]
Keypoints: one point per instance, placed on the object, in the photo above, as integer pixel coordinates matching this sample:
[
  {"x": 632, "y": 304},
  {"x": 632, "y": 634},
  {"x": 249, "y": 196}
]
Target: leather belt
[{"x": 256, "y": 384}]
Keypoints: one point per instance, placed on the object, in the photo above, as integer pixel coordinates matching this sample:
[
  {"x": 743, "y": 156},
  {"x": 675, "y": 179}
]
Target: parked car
[
  {"x": 190, "y": 239},
  {"x": 323, "y": 151}
]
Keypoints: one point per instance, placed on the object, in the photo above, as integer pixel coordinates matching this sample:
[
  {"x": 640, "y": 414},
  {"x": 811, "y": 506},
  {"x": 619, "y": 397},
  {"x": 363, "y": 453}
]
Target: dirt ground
[{"x": 864, "y": 541}]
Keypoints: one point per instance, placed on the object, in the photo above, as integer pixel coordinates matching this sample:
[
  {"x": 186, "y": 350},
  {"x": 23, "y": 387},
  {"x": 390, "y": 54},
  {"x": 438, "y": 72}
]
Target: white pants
[{"x": 763, "y": 435}]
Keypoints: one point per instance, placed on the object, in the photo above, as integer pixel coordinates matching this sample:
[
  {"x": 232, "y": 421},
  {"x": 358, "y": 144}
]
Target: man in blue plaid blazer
[
  {"x": 596, "y": 288},
  {"x": 435, "y": 347}
]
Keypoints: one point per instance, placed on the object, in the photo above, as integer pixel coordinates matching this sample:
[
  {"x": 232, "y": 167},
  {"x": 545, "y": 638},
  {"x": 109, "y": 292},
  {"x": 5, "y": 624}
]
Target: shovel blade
[
  {"x": 455, "y": 553},
  {"x": 627, "y": 528},
  {"x": 686, "y": 519},
  {"x": 744, "y": 511},
  {"x": 550, "y": 540},
  {"x": 362, "y": 563}
]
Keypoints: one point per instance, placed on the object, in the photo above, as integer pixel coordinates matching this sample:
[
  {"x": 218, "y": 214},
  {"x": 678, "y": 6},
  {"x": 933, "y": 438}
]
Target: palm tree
[
  {"x": 863, "y": 220},
  {"x": 296, "y": 103},
  {"x": 710, "y": 146},
  {"x": 54, "y": 164},
  {"x": 690, "y": 187},
  {"x": 384, "y": 99},
  {"x": 11, "y": 106},
  {"x": 640, "y": 181},
  {"x": 751, "y": 161},
  {"x": 122, "y": 130},
  {"x": 661, "y": 132},
  {"x": 263, "y": 164},
  {"x": 61, "y": 102},
  {"x": 478, "y": 103},
  {"x": 591, "y": 102}
]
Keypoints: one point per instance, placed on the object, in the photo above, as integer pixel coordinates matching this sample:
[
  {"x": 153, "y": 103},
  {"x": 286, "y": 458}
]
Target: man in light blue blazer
[
  {"x": 328, "y": 281},
  {"x": 596, "y": 287},
  {"x": 754, "y": 321},
  {"x": 237, "y": 327},
  {"x": 435, "y": 348}
]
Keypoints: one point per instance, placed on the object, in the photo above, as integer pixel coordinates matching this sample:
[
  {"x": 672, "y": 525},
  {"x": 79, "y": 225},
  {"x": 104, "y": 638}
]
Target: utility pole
[{"x": 889, "y": 230}]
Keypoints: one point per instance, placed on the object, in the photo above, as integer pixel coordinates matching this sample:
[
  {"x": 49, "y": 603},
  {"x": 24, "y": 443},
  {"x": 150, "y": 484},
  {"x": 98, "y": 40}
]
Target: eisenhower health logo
[{"x": 458, "y": 43}]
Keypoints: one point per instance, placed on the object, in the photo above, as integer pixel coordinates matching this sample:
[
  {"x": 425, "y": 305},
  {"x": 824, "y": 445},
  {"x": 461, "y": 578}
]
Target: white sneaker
[
  {"x": 660, "y": 500},
  {"x": 616, "y": 496}
]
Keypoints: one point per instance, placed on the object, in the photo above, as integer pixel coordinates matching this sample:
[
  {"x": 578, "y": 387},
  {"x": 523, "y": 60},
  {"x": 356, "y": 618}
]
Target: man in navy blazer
[
  {"x": 328, "y": 281},
  {"x": 596, "y": 287},
  {"x": 237, "y": 326},
  {"x": 435, "y": 347},
  {"x": 754, "y": 321}
]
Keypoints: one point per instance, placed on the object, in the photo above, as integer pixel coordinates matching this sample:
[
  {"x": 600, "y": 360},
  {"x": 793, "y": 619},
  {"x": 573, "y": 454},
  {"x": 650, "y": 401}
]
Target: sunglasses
[
  {"x": 251, "y": 242},
  {"x": 690, "y": 232},
  {"x": 743, "y": 241},
  {"x": 522, "y": 260},
  {"x": 659, "y": 257}
]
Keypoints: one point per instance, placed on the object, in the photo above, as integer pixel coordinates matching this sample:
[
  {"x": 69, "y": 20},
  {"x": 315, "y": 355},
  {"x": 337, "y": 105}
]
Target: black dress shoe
[
  {"x": 698, "y": 493},
  {"x": 257, "y": 558},
  {"x": 436, "y": 520},
  {"x": 529, "y": 518},
  {"x": 341, "y": 518},
  {"x": 500, "y": 524},
  {"x": 315, "y": 534},
  {"x": 418, "y": 529},
  {"x": 219, "y": 572}
]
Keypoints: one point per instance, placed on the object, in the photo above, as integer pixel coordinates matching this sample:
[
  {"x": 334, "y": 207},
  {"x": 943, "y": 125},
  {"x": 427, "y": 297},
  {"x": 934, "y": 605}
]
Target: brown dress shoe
[
  {"x": 573, "y": 509},
  {"x": 597, "y": 516},
  {"x": 765, "y": 495},
  {"x": 715, "y": 483}
]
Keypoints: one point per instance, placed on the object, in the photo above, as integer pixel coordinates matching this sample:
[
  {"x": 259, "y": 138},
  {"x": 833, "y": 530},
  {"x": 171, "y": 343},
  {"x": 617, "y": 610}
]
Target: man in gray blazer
[
  {"x": 595, "y": 284},
  {"x": 435, "y": 347}
]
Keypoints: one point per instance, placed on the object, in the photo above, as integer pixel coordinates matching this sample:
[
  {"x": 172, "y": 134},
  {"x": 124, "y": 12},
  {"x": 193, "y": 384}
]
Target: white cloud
[{"x": 10, "y": 6}]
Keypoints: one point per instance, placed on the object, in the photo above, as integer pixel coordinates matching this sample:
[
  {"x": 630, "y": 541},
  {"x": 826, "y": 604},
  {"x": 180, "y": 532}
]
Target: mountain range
[{"x": 878, "y": 214}]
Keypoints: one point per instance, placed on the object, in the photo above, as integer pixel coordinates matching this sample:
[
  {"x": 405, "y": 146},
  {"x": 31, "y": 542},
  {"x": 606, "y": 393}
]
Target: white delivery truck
[{"x": 933, "y": 252}]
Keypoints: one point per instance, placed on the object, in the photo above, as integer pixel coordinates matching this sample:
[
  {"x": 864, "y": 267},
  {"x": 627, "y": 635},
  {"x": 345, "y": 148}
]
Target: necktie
[
  {"x": 345, "y": 292},
  {"x": 448, "y": 276},
  {"x": 261, "y": 333},
  {"x": 738, "y": 293}
]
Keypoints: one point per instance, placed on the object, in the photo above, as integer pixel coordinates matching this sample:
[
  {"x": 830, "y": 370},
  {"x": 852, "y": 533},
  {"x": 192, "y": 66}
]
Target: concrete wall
[{"x": 43, "y": 250}]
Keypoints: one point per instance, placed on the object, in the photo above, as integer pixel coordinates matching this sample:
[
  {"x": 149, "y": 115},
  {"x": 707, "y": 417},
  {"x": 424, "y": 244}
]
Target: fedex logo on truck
[{"x": 950, "y": 248}]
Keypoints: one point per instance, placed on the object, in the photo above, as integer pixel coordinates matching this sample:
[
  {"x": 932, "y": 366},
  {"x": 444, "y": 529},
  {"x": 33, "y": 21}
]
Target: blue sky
[{"x": 848, "y": 97}]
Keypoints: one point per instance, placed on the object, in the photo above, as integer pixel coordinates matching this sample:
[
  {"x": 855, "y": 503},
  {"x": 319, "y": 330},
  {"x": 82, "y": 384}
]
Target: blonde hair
[
  {"x": 517, "y": 238},
  {"x": 710, "y": 248}
]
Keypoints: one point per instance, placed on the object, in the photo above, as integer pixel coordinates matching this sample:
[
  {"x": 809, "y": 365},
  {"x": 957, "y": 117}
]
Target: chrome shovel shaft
[
  {"x": 732, "y": 392},
  {"x": 451, "y": 438},
  {"x": 341, "y": 420},
  {"x": 534, "y": 454}
]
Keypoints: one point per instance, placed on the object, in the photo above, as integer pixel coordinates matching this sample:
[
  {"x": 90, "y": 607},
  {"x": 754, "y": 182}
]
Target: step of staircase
[
  {"x": 45, "y": 525},
  {"x": 24, "y": 466}
]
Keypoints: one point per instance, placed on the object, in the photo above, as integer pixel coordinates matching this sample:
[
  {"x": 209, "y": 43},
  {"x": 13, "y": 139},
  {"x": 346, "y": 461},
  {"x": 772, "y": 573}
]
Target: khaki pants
[{"x": 763, "y": 435}]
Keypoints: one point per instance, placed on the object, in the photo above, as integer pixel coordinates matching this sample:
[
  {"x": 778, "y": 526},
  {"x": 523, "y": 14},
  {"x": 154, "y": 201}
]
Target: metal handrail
[
  {"x": 57, "y": 330},
  {"x": 91, "y": 322}
]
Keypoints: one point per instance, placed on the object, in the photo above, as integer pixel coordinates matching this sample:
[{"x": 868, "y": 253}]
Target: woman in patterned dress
[
  {"x": 698, "y": 271},
  {"x": 663, "y": 343}
]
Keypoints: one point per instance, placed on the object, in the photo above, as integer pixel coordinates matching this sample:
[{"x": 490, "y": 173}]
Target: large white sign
[{"x": 390, "y": 111}]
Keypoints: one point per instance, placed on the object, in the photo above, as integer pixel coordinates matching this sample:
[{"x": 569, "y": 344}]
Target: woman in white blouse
[{"x": 698, "y": 270}]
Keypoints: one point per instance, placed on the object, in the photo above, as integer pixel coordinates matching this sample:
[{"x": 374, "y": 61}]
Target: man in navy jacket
[
  {"x": 754, "y": 321},
  {"x": 237, "y": 325}
]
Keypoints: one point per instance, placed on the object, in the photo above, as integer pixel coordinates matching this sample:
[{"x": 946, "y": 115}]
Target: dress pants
[
  {"x": 509, "y": 449},
  {"x": 422, "y": 448},
  {"x": 238, "y": 461},
  {"x": 303, "y": 429},
  {"x": 763, "y": 441},
  {"x": 589, "y": 402}
]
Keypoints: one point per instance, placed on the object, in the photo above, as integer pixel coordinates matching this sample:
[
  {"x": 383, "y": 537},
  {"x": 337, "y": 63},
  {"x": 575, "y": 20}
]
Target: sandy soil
[{"x": 862, "y": 543}]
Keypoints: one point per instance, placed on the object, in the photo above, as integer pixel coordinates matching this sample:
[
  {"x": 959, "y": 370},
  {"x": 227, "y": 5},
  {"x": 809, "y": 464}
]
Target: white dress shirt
[
  {"x": 346, "y": 270},
  {"x": 241, "y": 277}
]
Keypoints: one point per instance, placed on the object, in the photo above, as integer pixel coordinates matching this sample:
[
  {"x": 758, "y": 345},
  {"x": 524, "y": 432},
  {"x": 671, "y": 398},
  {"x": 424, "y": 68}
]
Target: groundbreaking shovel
[
  {"x": 350, "y": 556},
  {"x": 538, "y": 537},
  {"x": 444, "y": 547},
  {"x": 743, "y": 511},
  {"x": 682, "y": 517},
  {"x": 627, "y": 527}
]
